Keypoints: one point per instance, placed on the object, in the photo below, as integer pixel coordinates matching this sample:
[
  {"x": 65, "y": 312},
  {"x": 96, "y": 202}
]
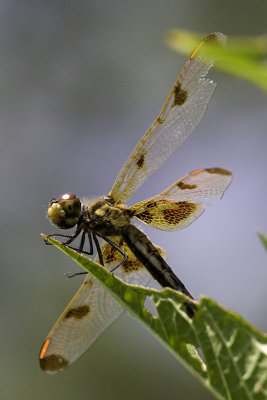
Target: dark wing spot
[
  {"x": 120, "y": 242},
  {"x": 110, "y": 255},
  {"x": 183, "y": 186},
  {"x": 131, "y": 266},
  {"x": 219, "y": 171},
  {"x": 78, "y": 312},
  {"x": 160, "y": 120},
  {"x": 111, "y": 250},
  {"x": 180, "y": 95},
  {"x": 212, "y": 38},
  {"x": 53, "y": 363},
  {"x": 145, "y": 216},
  {"x": 182, "y": 210},
  {"x": 140, "y": 162},
  {"x": 151, "y": 204}
]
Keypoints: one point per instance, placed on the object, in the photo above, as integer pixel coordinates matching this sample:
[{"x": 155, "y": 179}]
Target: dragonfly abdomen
[{"x": 150, "y": 257}]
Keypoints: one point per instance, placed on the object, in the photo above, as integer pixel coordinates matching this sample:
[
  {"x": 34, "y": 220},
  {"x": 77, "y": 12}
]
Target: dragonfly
[{"x": 125, "y": 250}]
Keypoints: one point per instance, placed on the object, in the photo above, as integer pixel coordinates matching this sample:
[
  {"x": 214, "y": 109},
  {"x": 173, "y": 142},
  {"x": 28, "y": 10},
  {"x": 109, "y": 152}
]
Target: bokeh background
[{"x": 80, "y": 82}]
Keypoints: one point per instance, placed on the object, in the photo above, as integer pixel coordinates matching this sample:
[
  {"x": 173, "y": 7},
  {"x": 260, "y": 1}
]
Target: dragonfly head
[{"x": 65, "y": 211}]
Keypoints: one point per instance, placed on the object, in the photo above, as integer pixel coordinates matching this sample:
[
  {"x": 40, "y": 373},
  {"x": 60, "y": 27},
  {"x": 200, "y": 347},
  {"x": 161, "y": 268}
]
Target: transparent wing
[
  {"x": 181, "y": 113},
  {"x": 90, "y": 312},
  {"x": 175, "y": 208}
]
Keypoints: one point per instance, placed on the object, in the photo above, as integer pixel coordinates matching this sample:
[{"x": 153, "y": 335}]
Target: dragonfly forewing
[{"x": 90, "y": 312}]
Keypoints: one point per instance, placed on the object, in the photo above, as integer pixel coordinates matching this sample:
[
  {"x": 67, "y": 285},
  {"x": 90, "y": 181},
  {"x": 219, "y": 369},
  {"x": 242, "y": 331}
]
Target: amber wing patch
[
  {"x": 179, "y": 211},
  {"x": 145, "y": 216},
  {"x": 168, "y": 215}
]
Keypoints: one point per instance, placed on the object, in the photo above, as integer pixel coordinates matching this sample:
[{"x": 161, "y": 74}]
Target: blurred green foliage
[
  {"x": 263, "y": 239},
  {"x": 234, "y": 352},
  {"x": 244, "y": 57}
]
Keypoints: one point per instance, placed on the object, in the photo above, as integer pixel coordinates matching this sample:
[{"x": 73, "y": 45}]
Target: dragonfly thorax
[{"x": 104, "y": 217}]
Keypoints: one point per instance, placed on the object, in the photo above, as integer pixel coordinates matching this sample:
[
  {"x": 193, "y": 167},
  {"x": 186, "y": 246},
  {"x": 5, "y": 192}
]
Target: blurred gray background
[{"x": 80, "y": 82}]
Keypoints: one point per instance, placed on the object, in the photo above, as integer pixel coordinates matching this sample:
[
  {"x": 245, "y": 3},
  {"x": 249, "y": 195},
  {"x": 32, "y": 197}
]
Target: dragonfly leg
[
  {"x": 98, "y": 249},
  {"x": 81, "y": 246},
  {"x": 91, "y": 249},
  {"x": 125, "y": 256},
  {"x": 90, "y": 252},
  {"x": 69, "y": 237},
  {"x": 80, "y": 250}
]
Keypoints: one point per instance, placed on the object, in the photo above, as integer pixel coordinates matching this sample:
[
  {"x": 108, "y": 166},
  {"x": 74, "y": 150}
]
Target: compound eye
[{"x": 65, "y": 211}]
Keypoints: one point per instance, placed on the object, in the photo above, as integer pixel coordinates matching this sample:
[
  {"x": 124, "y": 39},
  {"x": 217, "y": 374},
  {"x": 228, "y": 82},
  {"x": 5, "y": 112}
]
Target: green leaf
[
  {"x": 263, "y": 239},
  {"x": 234, "y": 364},
  {"x": 243, "y": 57}
]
